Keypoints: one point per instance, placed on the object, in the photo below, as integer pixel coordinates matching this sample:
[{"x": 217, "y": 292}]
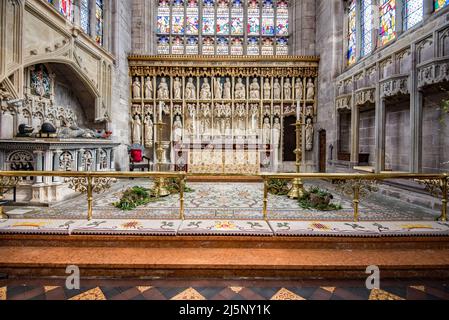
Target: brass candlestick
[
  {"x": 297, "y": 190},
  {"x": 159, "y": 189}
]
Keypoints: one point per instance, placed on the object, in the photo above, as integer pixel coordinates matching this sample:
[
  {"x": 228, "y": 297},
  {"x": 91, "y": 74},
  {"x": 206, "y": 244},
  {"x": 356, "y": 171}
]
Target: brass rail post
[
  {"x": 265, "y": 198},
  {"x": 182, "y": 182},
  {"x": 355, "y": 202},
  {"x": 90, "y": 198},
  {"x": 444, "y": 190}
]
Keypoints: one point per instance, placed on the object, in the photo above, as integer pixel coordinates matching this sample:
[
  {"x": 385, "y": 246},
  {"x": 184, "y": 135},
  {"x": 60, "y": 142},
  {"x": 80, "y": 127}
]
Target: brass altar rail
[{"x": 353, "y": 184}]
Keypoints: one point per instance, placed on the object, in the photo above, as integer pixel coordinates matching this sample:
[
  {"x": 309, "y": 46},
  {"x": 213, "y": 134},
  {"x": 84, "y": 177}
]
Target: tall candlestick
[{"x": 298, "y": 111}]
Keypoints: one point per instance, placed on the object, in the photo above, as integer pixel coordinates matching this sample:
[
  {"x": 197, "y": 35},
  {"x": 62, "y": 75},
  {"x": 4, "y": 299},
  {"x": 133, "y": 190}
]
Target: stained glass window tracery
[
  {"x": 85, "y": 16},
  {"x": 99, "y": 22},
  {"x": 366, "y": 26},
  {"x": 352, "y": 32},
  {"x": 387, "y": 21},
  {"x": 440, "y": 4},
  {"x": 236, "y": 27},
  {"x": 413, "y": 13}
]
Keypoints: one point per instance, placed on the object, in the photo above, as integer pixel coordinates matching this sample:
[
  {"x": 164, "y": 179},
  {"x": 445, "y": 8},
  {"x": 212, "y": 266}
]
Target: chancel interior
[{"x": 245, "y": 118}]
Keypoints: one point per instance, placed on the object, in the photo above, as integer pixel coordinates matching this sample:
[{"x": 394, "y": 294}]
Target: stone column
[
  {"x": 428, "y": 7},
  {"x": 380, "y": 134},
  {"x": 80, "y": 159},
  {"x": 416, "y": 106},
  {"x": 56, "y": 167},
  {"x": 39, "y": 164},
  {"x": 400, "y": 16},
  {"x": 355, "y": 127},
  {"x": 48, "y": 165},
  {"x": 93, "y": 19},
  {"x": 76, "y": 13},
  {"x": 97, "y": 159}
]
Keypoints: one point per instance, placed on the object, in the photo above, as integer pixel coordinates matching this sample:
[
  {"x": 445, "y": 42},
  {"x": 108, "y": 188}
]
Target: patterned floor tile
[
  {"x": 378, "y": 294},
  {"x": 189, "y": 294},
  {"x": 93, "y": 294},
  {"x": 285, "y": 294}
]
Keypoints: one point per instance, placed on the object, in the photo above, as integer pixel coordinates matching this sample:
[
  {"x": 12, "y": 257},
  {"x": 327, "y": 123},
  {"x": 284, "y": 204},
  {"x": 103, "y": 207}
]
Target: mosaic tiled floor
[
  {"x": 222, "y": 290},
  {"x": 227, "y": 201}
]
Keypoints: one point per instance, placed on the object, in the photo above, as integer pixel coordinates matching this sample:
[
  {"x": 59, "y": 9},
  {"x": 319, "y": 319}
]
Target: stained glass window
[
  {"x": 192, "y": 22},
  {"x": 65, "y": 8},
  {"x": 222, "y": 27},
  {"x": 85, "y": 16},
  {"x": 177, "y": 22},
  {"x": 439, "y": 4},
  {"x": 208, "y": 17},
  {"x": 387, "y": 21},
  {"x": 163, "y": 17},
  {"x": 352, "y": 32},
  {"x": 268, "y": 18},
  {"x": 366, "y": 24},
  {"x": 282, "y": 18},
  {"x": 223, "y": 17},
  {"x": 237, "y": 18},
  {"x": 413, "y": 13},
  {"x": 253, "y": 18},
  {"x": 99, "y": 21}
]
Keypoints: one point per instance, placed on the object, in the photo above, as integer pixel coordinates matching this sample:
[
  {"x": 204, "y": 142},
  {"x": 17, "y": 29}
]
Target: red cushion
[{"x": 136, "y": 155}]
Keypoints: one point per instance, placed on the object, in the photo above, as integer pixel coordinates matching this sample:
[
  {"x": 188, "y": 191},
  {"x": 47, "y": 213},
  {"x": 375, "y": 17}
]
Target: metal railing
[{"x": 351, "y": 184}]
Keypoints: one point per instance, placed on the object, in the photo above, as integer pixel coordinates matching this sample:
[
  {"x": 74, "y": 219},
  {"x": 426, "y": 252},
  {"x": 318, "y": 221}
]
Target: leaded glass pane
[
  {"x": 222, "y": 46},
  {"x": 84, "y": 15},
  {"x": 177, "y": 45},
  {"x": 439, "y": 4},
  {"x": 282, "y": 46},
  {"x": 268, "y": 18},
  {"x": 352, "y": 34},
  {"x": 65, "y": 8},
  {"x": 163, "y": 46},
  {"x": 253, "y": 46},
  {"x": 208, "y": 17},
  {"x": 387, "y": 21},
  {"x": 192, "y": 45},
  {"x": 209, "y": 46},
  {"x": 267, "y": 46},
  {"x": 178, "y": 15},
  {"x": 413, "y": 13},
  {"x": 192, "y": 20},
  {"x": 253, "y": 18},
  {"x": 282, "y": 18},
  {"x": 99, "y": 21},
  {"x": 237, "y": 25},
  {"x": 366, "y": 26},
  {"x": 223, "y": 18},
  {"x": 163, "y": 17},
  {"x": 237, "y": 46}
]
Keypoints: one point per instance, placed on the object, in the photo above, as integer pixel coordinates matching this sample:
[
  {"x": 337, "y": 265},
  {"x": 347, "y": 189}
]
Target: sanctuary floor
[{"x": 225, "y": 200}]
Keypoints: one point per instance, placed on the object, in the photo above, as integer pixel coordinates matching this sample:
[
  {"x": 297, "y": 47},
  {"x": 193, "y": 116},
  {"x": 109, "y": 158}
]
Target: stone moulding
[
  {"x": 433, "y": 72},
  {"x": 365, "y": 95},
  {"x": 343, "y": 102},
  {"x": 394, "y": 86}
]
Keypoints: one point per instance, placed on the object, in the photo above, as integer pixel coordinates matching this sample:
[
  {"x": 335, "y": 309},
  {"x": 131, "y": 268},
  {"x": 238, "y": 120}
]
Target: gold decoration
[
  {"x": 437, "y": 187},
  {"x": 357, "y": 189}
]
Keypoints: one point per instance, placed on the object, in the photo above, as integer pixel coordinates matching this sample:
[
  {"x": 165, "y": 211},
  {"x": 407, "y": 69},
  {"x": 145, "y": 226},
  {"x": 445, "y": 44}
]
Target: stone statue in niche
[
  {"x": 309, "y": 134},
  {"x": 267, "y": 89},
  {"x": 205, "y": 90},
  {"x": 287, "y": 90},
  {"x": 254, "y": 90},
  {"x": 136, "y": 129},
  {"x": 163, "y": 92},
  {"x": 276, "y": 90},
  {"x": 227, "y": 89},
  {"x": 299, "y": 89},
  {"x": 190, "y": 90},
  {"x": 148, "y": 122},
  {"x": 177, "y": 129},
  {"x": 276, "y": 132},
  {"x": 218, "y": 89},
  {"x": 177, "y": 87},
  {"x": 148, "y": 88},
  {"x": 266, "y": 131},
  {"x": 310, "y": 90},
  {"x": 136, "y": 88},
  {"x": 240, "y": 89}
]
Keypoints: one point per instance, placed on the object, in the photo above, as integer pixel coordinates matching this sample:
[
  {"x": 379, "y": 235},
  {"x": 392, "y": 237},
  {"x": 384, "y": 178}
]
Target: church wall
[
  {"x": 397, "y": 137},
  {"x": 65, "y": 97},
  {"x": 435, "y": 147},
  {"x": 122, "y": 11},
  {"x": 367, "y": 134}
]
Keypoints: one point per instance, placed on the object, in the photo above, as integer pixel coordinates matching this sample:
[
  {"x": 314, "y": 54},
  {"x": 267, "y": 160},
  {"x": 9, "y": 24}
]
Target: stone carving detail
[
  {"x": 267, "y": 89},
  {"x": 163, "y": 92},
  {"x": 276, "y": 90},
  {"x": 254, "y": 90},
  {"x": 21, "y": 161},
  {"x": 240, "y": 93},
  {"x": 66, "y": 161},
  {"x": 343, "y": 103},
  {"x": 87, "y": 161},
  {"x": 287, "y": 90},
  {"x": 190, "y": 92},
  {"x": 205, "y": 91},
  {"x": 136, "y": 88},
  {"x": 310, "y": 90},
  {"x": 435, "y": 72},
  {"x": 299, "y": 89},
  {"x": 364, "y": 96},
  {"x": 394, "y": 87},
  {"x": 136, "y": 129},
  {"x": 148, "y": 88},
  {"x": 309, "y": 134},
  {"x": 148, "y": 127},
  {"x": 218, "y": 89}
]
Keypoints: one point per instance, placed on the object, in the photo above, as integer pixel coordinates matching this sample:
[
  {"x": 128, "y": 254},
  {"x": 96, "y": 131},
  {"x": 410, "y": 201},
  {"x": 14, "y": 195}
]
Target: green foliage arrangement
[
  {"x": 172, "y": 185},
  {"x": 278, "y": 187},
  {"x": 134, "y": 197},
  {"x": 316, "y": 198}
]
